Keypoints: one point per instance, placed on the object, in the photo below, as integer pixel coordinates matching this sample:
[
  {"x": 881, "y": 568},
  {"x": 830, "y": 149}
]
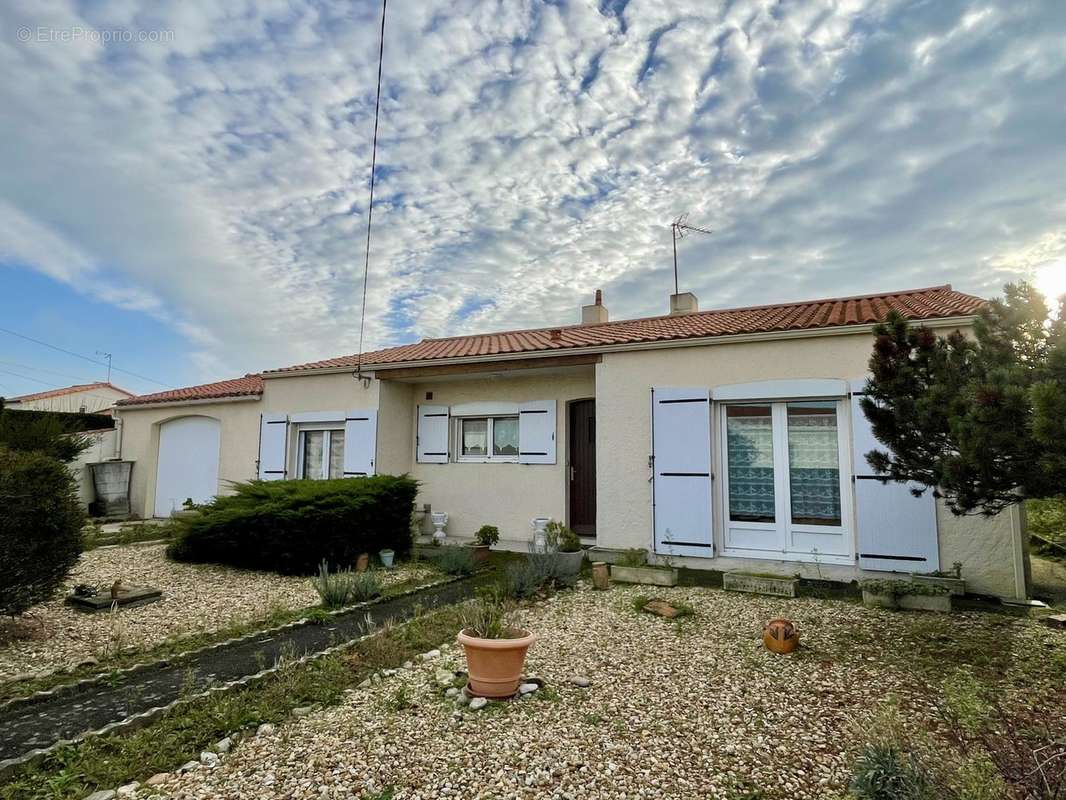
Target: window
[
  {"x": 750, "y": 449},
  {"x": 320, "y": 454},
  {"x": 488, "y": 438},
  {"x": 814, "y": 463}
]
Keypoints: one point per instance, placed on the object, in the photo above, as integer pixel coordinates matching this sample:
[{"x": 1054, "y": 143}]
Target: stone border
[
  {"x": 110, "y": 675},
  {"x": 143, "y": 719}
]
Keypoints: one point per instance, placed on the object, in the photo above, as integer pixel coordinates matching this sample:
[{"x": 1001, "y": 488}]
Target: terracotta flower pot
[
  {"x": 362, "y": 562},
  {"x": 780, "y": 636},
  {"x": 480, "y": 552},
  {"x": 600, "y": 577},
  {"x": 495, "y": 665}
]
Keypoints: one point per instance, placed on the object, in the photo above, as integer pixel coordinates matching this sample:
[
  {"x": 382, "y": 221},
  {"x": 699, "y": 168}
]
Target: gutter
[{"x": 625, "y": 347}]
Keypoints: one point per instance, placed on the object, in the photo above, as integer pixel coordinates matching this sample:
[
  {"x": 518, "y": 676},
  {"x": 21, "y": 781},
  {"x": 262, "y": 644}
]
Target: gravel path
[
  {"x": 690, "y": 709},
  {"x": 196, "y": 599}
]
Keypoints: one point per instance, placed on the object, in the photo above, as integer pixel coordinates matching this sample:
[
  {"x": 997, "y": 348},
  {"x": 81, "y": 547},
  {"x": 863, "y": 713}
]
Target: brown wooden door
[{"x": 581, "y": 440}]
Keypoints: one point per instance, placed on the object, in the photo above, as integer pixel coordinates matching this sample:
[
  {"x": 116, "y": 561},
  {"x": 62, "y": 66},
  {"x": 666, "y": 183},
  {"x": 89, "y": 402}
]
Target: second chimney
[
  {"x": 684, "y": 303},
  {"x": 590, "y": 315}
]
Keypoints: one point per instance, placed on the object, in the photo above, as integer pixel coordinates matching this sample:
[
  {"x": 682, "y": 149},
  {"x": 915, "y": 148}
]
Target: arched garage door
[{"x": 188, "y": 463}]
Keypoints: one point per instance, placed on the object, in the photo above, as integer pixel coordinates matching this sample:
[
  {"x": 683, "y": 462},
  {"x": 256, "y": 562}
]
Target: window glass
[
  {"x": 814, "y": 463},
  {"x": 505, "y": 436},
  {"x": 750, "y": 457},
  {"x": 336, "y": 454},
  {"x": 314, "y": 441},
  {"x": 475, "y": 437}
]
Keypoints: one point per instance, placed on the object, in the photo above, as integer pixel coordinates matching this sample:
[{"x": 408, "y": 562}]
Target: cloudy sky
[{"x": 191, "y": 195}]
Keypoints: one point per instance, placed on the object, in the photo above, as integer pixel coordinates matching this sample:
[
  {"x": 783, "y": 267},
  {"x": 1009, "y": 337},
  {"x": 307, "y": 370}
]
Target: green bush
[
  {"x": 883, "y": 772},
  {"x": 487, "y": 534},
  {"x": 40, "y": 528},
  {"x": 292, "y": 526},
  {"x": 455, "y": 560},
  {"x": 338, "y": 589},
  {"x": 537, "y": 572}
]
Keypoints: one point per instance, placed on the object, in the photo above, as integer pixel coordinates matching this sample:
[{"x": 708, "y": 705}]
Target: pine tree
[{"x": 980, "y": 420}]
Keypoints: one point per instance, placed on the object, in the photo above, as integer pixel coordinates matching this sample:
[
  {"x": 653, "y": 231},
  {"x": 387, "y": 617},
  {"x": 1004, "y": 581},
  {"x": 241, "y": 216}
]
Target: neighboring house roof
[
  {"x": 938, "y": 302},
  {"x": 247, "y": 386},
  {"x": 918, "y": 304},
  {"x": 76, "y": 389}
]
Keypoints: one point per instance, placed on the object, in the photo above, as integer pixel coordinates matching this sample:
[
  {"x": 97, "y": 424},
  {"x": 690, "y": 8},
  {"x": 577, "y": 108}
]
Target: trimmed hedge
[
  {"x": 291, "y": 527},
  {"x": 40, "y": 528}
]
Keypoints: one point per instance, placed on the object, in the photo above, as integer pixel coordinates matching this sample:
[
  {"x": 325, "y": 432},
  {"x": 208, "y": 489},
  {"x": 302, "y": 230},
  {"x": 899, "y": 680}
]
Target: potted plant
[
  {"x": 495, "y": 648},
  {"x": 486, "y": 537},
  {"x": 567, "y": 545},
  {"x": 905, "y": 594},
  {"x": 387, "y": 557},
  {"x": 633, "y": 567}
]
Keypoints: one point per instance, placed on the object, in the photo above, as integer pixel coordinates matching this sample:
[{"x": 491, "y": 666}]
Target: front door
[{"x": 582, "y": 442}]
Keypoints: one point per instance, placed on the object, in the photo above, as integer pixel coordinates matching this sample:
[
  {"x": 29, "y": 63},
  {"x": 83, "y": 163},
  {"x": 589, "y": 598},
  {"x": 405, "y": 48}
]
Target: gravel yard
[
  {"x": 196, "y": 599},
  {"x": 688, "y": 709}
]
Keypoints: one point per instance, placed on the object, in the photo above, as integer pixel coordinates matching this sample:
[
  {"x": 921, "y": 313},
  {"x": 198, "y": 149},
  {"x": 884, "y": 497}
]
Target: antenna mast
[{"x": 677, "y": 230}]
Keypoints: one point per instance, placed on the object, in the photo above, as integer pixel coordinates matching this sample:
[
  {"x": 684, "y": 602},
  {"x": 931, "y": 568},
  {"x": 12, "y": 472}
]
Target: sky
[{"x": 185, "y": 185}]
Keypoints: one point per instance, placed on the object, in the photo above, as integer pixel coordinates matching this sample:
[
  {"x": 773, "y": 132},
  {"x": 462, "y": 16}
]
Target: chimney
[
  {"x": 684, "y": 303},
  {"x": 590, "y": 315}
]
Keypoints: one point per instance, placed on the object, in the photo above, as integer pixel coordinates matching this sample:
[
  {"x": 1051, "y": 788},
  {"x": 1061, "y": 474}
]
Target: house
[
  {"x": 723, "y": 439},
  {"x": 83, "y": 398}
]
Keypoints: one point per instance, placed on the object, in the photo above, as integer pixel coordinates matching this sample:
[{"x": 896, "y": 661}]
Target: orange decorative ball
[{"x": 780, "y": 636}]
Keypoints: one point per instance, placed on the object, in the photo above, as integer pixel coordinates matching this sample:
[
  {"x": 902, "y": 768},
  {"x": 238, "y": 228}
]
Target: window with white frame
[
  {"x": 320, "y": 454},
  {"x": 487, "y": 438}
]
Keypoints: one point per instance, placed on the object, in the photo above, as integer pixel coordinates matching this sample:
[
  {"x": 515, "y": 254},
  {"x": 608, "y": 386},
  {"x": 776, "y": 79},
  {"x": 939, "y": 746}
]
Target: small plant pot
[
  {"x": 495, "y": 665},
  {"x": 480, "y": 552},
  {"x": 654, "y": 576},
  {"x": 780, "y": 636},
  {"x": 926, "y": 602},
  {"x": 387, "y": 557},
  {"x": 601, "y": 578},
  {"x": 954, "y": 586},
  {"x": 363, "y": 562},
  {"x": 571, "y": 562}
]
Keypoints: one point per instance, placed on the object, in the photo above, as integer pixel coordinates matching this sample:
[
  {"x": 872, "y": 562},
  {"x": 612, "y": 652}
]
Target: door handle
[{"x": 573, "y": 472}]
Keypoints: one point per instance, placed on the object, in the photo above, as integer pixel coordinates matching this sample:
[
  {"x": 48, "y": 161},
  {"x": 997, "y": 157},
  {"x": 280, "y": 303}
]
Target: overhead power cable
[
  {"x": 370, "y": 207},
  {"x": 83, "y": 358}
]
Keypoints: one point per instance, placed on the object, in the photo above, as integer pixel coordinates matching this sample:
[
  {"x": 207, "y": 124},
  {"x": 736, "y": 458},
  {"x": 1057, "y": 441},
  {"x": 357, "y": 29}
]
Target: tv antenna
[
  {"x": 677, "y": 229},
  {"x": 108, "y": 357}
]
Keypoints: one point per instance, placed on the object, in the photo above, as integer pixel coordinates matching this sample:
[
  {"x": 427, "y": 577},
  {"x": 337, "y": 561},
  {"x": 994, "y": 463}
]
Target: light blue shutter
[
  {"x": 432, "y": 442},
  {"x": 360, "y": 442},
  {"x": 536, "y": 432},
  {"x": 273, "y": 446},
  {"x": 681, "y": 471}
]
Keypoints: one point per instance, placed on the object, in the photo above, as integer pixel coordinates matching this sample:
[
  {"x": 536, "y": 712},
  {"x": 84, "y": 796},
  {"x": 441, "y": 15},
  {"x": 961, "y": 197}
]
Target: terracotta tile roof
[
  {"x": 918, "y": 304},
  {"x": 235, "y": 387},
  {"x": 77, "y": 388}
]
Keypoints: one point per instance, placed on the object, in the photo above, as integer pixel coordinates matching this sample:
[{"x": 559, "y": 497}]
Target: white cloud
[{"x": 530, "y": 153}]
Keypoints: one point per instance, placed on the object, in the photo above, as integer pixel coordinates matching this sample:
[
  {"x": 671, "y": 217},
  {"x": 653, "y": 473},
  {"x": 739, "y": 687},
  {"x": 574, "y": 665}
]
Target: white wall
[{"x": 95, "y": 400}]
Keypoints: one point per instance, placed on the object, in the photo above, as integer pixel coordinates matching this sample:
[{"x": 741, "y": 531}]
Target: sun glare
[{"x": 1050, "y": 280}]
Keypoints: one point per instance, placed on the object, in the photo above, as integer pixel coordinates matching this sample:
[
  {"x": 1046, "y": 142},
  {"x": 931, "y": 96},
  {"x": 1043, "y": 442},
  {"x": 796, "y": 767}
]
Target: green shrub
[
  {"x": 633, "y": 557},
  {"x": 40, "y": 528},
  {"x": 338, "y": 589},
  {"x": 884, "y": 772},
  {"x": 488, "y": 617},
  {"x": 455, "y": 560},
  {"x": 537, "y": 572},
  {"x": 292, "y": 526},
  {"x": 1047, "y": 518},
  {"x": 559, "y": 537},
  {"x": 487, "y": 534}
]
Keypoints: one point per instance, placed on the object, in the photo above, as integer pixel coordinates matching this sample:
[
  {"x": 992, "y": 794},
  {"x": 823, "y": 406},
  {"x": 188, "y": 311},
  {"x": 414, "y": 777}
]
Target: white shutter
[
  {"x": 897, "y": 531},
  {"x": 536, "y": 432},
  {"x": 432, "y": 435},
  {"x": 681, "y": 471},
  {"x": 273, "y": 449},
  {"x": 360, "y": 442}
]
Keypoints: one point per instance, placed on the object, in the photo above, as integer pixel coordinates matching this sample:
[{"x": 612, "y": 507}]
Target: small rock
[
  {"x": 264, "y": 730},
  {"x": 129, "y": 790},
  {"x": 461, "y": 699},
  {"x": 89, "y": 662},
  {"x": 478, "y": 703},
  {"x": 209, "y": 759},
  {"x": 444, "y": 677},
  {"x": 224, "y": 745},
  {"x": 581, "y": 681},
  {"x": 189, "y": 766},
  {"x": 451, "y": 692},
  {"x": 408, "y": 664},
  {"x": 158, "y": 778},
  {"x": 527, "y": 688},
  {"x": 365, "y": 684},
  {"x": 302, "y": 711},
  {"x": 1055, "y": 621},
  {"x": 429, "y": 656},
  {"x": 103, "y": 794},
  {"x": 661, "y": 608},
  {"x": 388, "y": 673}
]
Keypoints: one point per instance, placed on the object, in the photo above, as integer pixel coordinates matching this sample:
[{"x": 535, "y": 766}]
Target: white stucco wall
[
  {"x": 94, "y": 400},
  {"x": 505, "y": 495},
  {"x": 103, "y": 447}
]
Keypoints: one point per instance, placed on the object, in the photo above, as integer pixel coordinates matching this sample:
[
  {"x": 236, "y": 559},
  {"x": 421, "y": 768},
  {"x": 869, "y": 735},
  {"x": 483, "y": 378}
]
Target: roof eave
[{"x": 120, "y": 407}]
